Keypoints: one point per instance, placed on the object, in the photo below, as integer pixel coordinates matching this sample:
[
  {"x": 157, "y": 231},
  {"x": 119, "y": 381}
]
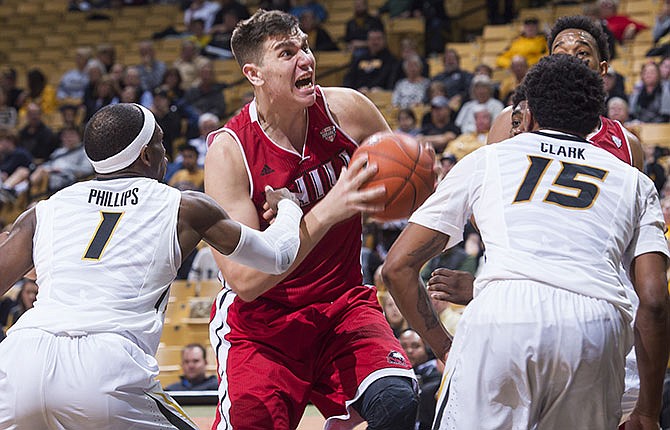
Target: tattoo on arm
[
  {"x": 425, "y": 309},
  {"x": 417, "y": 257}
]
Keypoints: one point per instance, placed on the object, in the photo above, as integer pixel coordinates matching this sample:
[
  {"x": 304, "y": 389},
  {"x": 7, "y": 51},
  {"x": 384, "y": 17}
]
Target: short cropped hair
[
  {"x": 250, "y": 35},
  {"x": 564, "y": 94},
  {"x": 111, "y": 129},
  {"x": 582, "y": 23},
  {"x": 195, "y": 346}
]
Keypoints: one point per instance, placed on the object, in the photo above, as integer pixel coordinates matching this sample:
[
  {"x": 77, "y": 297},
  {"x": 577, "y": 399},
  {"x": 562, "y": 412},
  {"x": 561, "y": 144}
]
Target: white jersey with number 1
[{"x": 106, "y": 252}]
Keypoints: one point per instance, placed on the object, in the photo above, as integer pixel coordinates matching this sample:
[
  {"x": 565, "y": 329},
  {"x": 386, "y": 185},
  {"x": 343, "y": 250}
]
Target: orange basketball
[{"x": 404, "y": 167}]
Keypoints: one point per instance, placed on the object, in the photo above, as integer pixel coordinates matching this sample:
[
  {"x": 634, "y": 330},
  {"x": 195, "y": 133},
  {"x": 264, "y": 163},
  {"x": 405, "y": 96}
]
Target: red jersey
[
  {"x": 611, "y": 137},
  {"x": 333, "y": 266}
]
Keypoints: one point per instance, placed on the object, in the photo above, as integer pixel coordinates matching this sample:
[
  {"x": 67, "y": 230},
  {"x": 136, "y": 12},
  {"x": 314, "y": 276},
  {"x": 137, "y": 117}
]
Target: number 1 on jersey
[{"x": 103, "y": 233}]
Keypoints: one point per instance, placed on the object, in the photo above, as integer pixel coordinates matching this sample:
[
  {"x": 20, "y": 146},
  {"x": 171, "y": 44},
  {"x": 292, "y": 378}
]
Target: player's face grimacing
[
  {"x": 288, "y": 60},
  {"x": 580, "y": 44}
]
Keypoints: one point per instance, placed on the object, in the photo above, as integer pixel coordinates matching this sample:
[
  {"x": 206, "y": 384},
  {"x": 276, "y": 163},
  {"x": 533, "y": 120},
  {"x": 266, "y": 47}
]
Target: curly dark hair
[
  {"x": 582, "y": 23},
  {"x": 564, "y": 94},
  {"x": 249, "y": 35},
  {"x": 111, "y": 129}
]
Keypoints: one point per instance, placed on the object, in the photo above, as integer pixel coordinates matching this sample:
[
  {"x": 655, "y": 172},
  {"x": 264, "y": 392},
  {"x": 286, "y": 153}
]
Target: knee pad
[{"x": 389, "y": 403}]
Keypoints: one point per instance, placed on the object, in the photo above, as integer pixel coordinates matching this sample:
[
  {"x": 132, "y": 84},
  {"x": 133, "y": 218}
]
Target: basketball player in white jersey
[
  {"x": 105, "y": 253},
  {"x": 543, "y": 343},
  {"x": 581, "y": 37}
]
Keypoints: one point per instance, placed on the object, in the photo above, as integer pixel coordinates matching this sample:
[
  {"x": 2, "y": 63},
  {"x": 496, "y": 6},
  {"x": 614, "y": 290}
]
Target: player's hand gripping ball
[{"x": 404, "y": 167}]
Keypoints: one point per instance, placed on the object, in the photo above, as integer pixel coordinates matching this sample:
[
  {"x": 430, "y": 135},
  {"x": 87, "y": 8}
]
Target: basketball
[{"x": 404, "y": 167}]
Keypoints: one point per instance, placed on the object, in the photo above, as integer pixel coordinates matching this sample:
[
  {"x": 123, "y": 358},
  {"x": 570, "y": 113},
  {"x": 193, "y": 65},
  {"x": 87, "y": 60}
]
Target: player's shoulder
[{"x": 343, "y": 98}]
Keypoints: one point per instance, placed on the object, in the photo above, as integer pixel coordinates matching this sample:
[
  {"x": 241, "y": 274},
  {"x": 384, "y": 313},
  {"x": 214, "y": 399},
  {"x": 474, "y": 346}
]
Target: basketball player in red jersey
[
  {"x": 316, "y": 335},
  {"x": 580, "y": 37},
  {"x": 577, "y": 36}
]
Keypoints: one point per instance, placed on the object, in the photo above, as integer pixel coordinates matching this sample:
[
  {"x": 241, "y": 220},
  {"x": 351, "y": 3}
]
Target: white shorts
[
  {"x": 97, "y": 381},
  {"x": 527, "y": 355}
]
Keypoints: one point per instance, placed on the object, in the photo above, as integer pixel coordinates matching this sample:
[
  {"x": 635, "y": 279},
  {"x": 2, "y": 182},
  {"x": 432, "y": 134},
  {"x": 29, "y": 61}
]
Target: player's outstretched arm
[
  {"x": 413, "y": 248},
  {"x": 227, "y": 182},
  {"x": 272, "y": 251},
  {"x": 652, "y": 335},
  {"x": 16, "y": 250}
]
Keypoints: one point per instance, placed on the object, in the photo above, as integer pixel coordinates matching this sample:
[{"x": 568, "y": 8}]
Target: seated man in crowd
[{"x": 194, "y": 364}]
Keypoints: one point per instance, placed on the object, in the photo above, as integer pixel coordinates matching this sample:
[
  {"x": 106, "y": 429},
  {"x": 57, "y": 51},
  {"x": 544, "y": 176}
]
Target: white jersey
[
  {"x": 120, "y": 233},
  {"x": 549, "y": 206}
]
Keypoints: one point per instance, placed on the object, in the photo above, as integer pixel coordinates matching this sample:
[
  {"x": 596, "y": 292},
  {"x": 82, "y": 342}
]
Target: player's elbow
[
  {"x": 245, "y": 295},
  {"x": 394, "y": 273}
]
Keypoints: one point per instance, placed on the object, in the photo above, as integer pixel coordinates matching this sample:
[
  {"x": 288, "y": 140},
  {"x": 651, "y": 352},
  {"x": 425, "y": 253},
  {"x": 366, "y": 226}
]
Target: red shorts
[{"x": 273, "y": 361}]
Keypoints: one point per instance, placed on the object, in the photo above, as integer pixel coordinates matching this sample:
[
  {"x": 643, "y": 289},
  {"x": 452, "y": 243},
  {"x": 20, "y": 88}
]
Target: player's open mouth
[{"x": 304, "y": 83}]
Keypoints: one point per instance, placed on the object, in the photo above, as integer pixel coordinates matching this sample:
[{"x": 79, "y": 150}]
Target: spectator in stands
[
  {"x": 440, "y": 130},
  {"x": 486, "y": 70},
  {"x": 191, "y": 176},
  {"x": 8, "y": 114},
  {"x": 25, "y": 301},
  {"x": 117, "y": 74},
  {"x": 194, "y": 366},
  {"x": 66, "y": 165},
  {"x": 456, "y": 81},
  {"x": 196, "y": 33},
  {"x": 39, "y": 91},
  {"x": 133, "y": 78},
  {"x": 35, "y": 136},
  {"x": 427, "y": 373},
  {"x": 661, "y": 32},
  {"x": 168, "y": 118},
  {"x": 622, "y": 27},
  {"x": 207, "y": 123},
  {"x": 407, "y": 122},
  {"x": 469, "y": 141},
  {"x": 200, "y": 9},
  {"x": 517, "y": 70},
  {"x": 409, "y": 48},
  {"x": 69, "y": 115},
  {"x": 652, "y": 167},
  {"x": 317, "y": 37},
  {"x": 172, "y": 85},
  {"x": 614, "y": 84},
  {"x": 103, "y": 95},
  {"x": 357, "y": 28},
  {"x": 8, "y": 83},
  {"x": 664, "y": 69},
  {"x": 207, "y": 96},
  {"x": 410, "y": 91},
  {"x": 188, "y": 63},
  {"x": 377, "y": 69},
  {"x": 482, "y": 96},
  {"x": 617, "y": 109},
  {"x": 106, "y": 54},
  {"x": 299, "y": 6},
  {"x": 74, "y": 81},
  {"x": 531, "y": 44},
  {"x": 12, "y": 156},
  {"x": 447, "y": 161},
  {"x": 151, "y": 69},
  {"x": 650, "y": 101},
  {"x": 592, "y": 11},
  {"x": 219, "y": 45}
]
